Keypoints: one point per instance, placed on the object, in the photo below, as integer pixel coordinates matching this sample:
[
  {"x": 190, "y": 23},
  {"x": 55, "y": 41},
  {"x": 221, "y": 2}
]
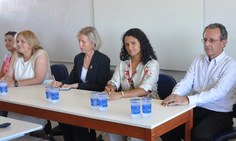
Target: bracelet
[
  {"x": 15, "y": 83},
  {"x": 122, "y": 94}
]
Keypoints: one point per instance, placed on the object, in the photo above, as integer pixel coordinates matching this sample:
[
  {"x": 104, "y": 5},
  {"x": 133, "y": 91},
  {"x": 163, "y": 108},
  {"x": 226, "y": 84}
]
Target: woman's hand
[
  {"x": 10, "y": 83},
  {"x": 109, "y": 88},
  {"x": 74, "y": 86},
  {"x": 56, "y": 84},
  {"x": 114, "y": 95}
]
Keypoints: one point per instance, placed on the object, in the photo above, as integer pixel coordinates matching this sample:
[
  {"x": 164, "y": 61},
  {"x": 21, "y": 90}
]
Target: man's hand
[{"x": 175, "y": 99}]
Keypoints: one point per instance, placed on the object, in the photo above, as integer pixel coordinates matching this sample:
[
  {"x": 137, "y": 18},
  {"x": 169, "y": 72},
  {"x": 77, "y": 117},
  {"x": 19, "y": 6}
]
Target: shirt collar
[{"x": 217, "y": 59}]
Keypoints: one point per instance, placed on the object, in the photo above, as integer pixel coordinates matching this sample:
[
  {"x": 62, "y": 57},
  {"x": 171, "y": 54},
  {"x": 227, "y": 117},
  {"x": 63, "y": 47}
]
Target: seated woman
[
  {"x": 90, "y": 72},
  {"x": 9, "y": 44},
  {"x": 29, "y": 65},
  {"x": 137, "y": 74}
]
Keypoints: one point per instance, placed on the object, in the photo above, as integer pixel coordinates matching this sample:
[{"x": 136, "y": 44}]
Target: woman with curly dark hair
[{"x": 137, "y": 74}]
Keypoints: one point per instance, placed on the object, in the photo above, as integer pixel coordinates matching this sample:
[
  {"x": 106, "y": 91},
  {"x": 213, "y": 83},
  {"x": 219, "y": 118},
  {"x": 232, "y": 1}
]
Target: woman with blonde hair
[
  {"x": 90, "y": 72},
  {"x": 29, "y": 65}
]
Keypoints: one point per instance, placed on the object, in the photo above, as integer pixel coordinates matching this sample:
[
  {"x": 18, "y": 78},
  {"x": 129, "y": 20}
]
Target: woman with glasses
[{"x": 137, "y": 74}]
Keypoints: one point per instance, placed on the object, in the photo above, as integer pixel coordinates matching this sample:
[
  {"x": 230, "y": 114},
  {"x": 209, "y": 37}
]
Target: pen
[{"x": 54, "y": 80}]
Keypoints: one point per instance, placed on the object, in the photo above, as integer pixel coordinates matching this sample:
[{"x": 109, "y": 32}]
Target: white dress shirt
[{"x": 210, "y": 84}]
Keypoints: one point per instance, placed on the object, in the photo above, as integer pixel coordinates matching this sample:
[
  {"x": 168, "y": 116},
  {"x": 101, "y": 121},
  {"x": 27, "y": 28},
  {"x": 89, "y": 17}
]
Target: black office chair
[
  {"x": 60, "y": 73},
  {"x": 165, "y": 85},
  {"x": 112, "y": 70},
  {"x": 227, "y": 135}
]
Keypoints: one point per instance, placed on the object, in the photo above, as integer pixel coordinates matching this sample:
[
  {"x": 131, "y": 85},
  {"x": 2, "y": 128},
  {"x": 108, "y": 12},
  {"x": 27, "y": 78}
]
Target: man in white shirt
[{"x": 210, "y": 83}]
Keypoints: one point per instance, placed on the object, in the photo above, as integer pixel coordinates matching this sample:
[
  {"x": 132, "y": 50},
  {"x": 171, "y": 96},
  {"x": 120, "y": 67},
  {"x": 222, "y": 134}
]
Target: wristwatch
[{"x": 15, "y": 83}]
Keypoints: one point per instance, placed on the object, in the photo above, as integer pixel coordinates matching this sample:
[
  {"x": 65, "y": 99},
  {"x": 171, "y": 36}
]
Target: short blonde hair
[
  {"x": 93, "y": 36},
  {"x": 31, "y": 39}
]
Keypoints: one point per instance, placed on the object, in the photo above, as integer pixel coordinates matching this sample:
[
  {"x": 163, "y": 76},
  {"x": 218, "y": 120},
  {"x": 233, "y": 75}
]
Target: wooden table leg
[{"x": 188, "y": 127}]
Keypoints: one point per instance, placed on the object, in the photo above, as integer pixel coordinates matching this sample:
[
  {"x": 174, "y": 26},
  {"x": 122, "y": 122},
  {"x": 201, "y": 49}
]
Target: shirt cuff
[{"x": 192, "y": 99}]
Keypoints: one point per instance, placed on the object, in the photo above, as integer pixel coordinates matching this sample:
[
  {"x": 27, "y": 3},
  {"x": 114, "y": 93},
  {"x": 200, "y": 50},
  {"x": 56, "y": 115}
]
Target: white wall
[
  {"x": 55, "y": 22},
  {"x": 223, "y": 11},
  {"x": 173, "y": 27}
]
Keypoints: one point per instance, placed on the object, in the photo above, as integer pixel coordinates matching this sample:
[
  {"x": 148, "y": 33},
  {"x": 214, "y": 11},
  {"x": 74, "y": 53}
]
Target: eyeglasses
[{"x": 211, "y": 41}]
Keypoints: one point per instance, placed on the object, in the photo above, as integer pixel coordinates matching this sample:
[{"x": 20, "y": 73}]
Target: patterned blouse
[{"x": 145, "y": 77}]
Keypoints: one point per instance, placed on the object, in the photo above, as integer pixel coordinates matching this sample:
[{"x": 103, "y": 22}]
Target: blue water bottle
[
  {"x": 94, "y": 100},
  {"x": 146, "y": 107},
  {"x": 135, "y": 107},
  {"x": 54, "y": 95},
  {"x": 48, "y": 93},
  {"x": 103, "y": 101},
  {"x": 3, "y": 87}
]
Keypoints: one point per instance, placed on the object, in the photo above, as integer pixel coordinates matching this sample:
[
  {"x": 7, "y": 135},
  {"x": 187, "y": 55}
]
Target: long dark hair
[{"x": 147, "y": 52}]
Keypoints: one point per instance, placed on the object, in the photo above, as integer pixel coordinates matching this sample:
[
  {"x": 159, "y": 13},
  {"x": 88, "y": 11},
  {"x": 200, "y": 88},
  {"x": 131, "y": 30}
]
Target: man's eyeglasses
[{"x": 211, "y": 41}]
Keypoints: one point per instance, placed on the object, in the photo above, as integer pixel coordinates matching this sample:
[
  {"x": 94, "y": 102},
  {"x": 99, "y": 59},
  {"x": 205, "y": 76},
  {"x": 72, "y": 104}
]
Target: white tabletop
[
  {"x": 16, "y": 129},
  {"x": 77, "y": 102}
]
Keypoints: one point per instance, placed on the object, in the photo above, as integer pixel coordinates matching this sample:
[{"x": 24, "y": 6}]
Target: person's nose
[
  {"x": 128, "y": 46},
  {"x": 207, "y": 43},
  {"x": 80, "y": 44}
]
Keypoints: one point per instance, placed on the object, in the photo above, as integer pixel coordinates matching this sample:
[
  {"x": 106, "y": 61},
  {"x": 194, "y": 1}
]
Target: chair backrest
[
  {"x": 111, "y": 73},
  {"x": 165, "y": 85},
  {"x": 59, "y": 71},
  {"x": 234, "y": 111},
  {"x": 112, "y": 70}
]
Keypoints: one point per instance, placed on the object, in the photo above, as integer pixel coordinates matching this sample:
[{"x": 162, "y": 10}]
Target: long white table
[
  {"x": 74, "y": 108},
  {"x": 16, "y": 129}
]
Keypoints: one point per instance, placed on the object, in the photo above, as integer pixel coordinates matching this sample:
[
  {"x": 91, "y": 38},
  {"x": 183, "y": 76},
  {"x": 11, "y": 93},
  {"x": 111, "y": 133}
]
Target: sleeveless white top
[{"x": 25, "y": 70}]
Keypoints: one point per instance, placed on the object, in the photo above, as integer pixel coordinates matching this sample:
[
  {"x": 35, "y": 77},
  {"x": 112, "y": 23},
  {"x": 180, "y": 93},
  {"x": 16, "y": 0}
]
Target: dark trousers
[
  {"x": 206, "y": 124},
  {"x": 3, "y": 113},
  {"x": 74, "y": 133}
]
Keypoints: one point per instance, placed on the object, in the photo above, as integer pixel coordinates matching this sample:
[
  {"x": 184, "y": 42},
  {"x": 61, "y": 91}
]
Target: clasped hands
[{"x": 175, "y": 99}]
